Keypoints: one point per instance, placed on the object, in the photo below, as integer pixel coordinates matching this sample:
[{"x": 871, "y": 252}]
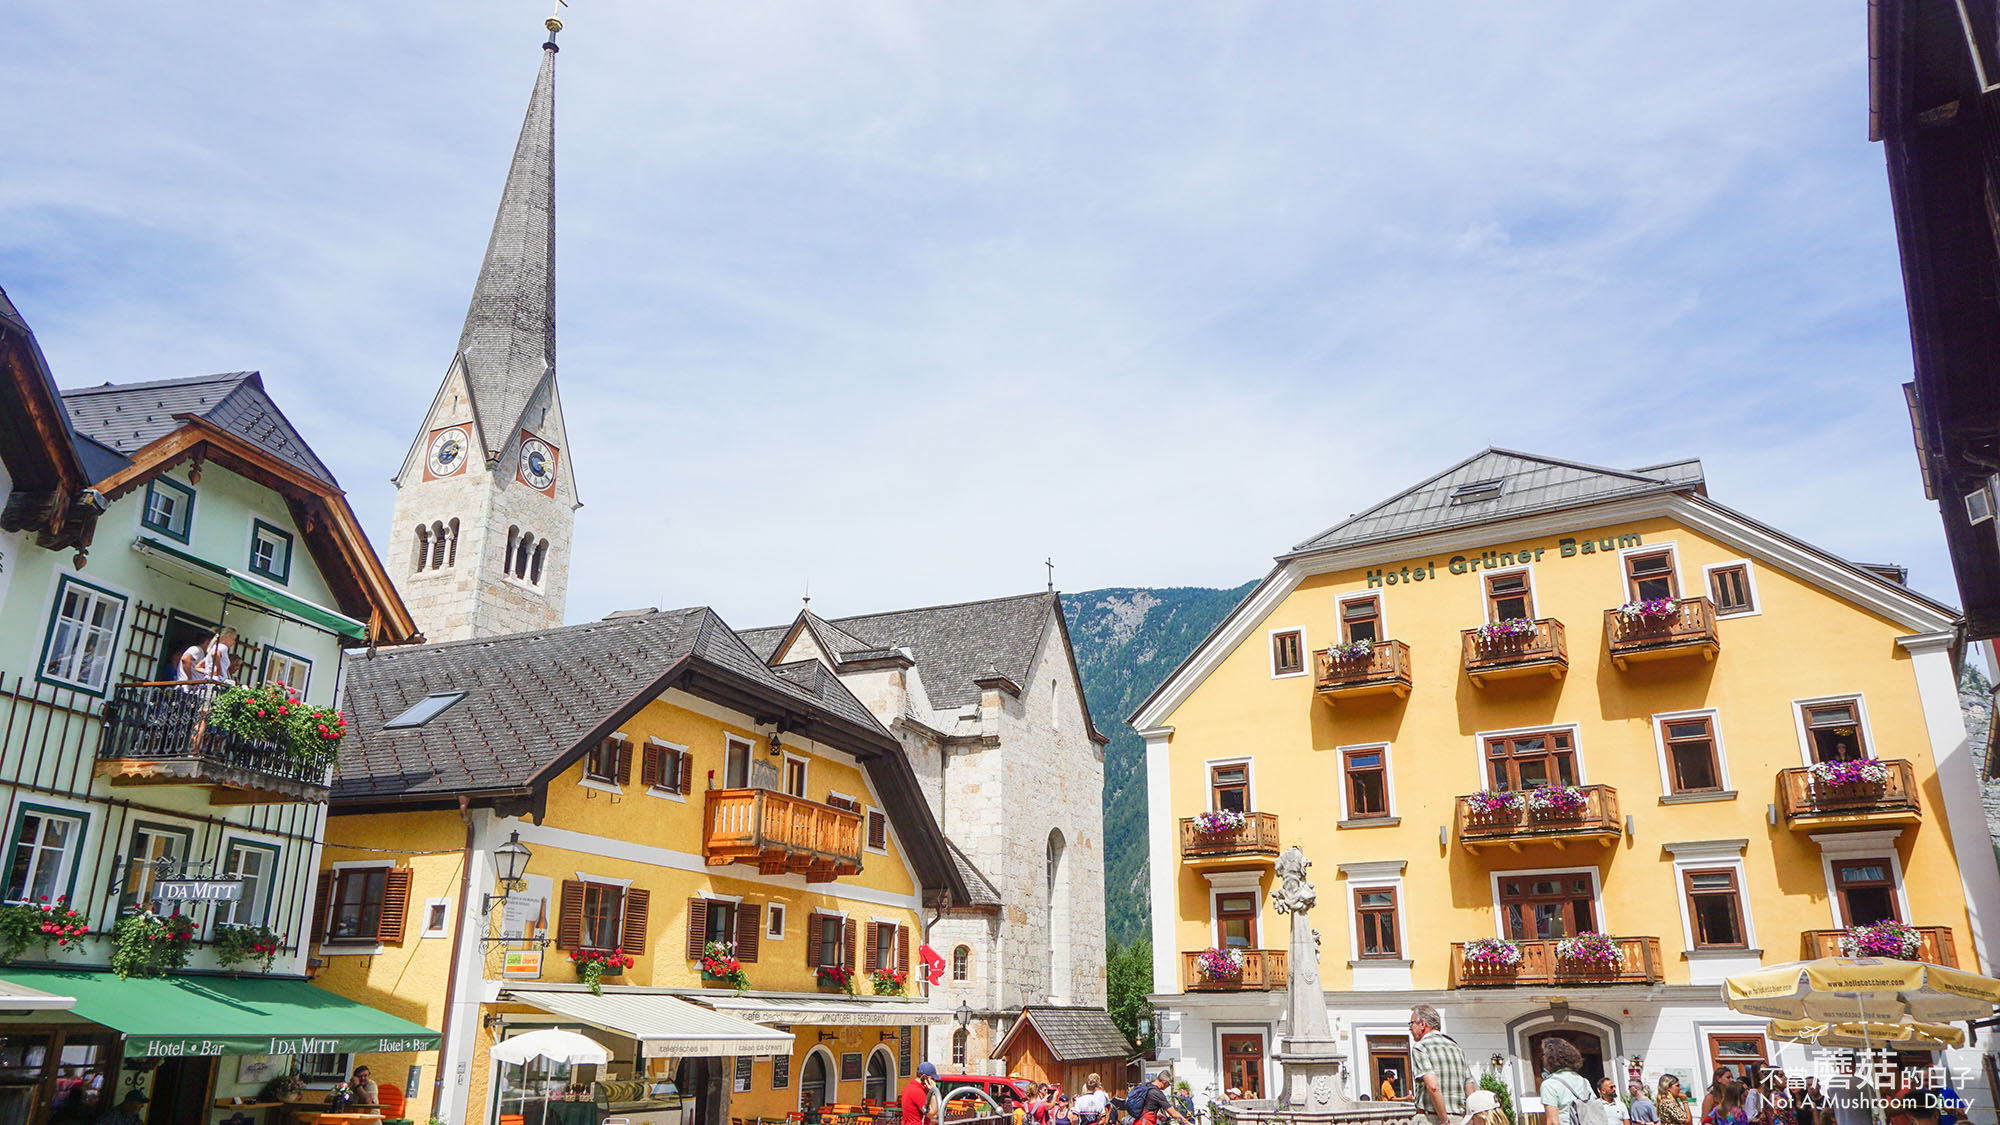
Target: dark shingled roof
[
  {"x": 127, "y": 417},
  {"x": 1071, "y": 1034},
  {"x": 980, "y": 889}
]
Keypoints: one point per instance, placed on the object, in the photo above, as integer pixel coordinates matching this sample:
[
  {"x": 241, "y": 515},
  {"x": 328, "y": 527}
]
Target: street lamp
[
  {"x": 963, "y": 1015},
  {"x": 510, "y": 862}
]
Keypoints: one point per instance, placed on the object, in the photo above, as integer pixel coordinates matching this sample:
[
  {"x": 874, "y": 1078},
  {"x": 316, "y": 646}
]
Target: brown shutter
[
  {"x": 697, "y": 927},
  {"x": 812, "y": 940},
  {"x": 322, "y": 906},
  {"x": 569, "y": 923},
  {"x": 848, "y": 964},
  {"x": 873, "y": 951},
  {"x": 649, "y": 765},
  {"x": 395, "y": 906},
  {"x": 903, "y": 951},
  {"x": 624, "y": 762},
  {"x": 686, "y": 785},
  {"x": 749, "y": 930},
  {"x": 632, "y": 938}
]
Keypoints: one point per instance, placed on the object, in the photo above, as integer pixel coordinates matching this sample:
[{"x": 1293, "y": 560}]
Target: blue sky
[{"x": 900, "y": 298}]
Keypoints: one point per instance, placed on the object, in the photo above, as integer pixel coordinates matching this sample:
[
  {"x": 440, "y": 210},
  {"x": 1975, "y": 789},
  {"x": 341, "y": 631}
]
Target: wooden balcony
[
  {"x": 1808, "y": 805},
  {"x": 159, "y": 734},
  {"x": 1688, "y": 631},
  {"x": 1599, "y": 821},
  {"x": 1264, "y": 970},
  {"x": 1384, "y": 671},
  {"x": 1545, "y": 652},
  {"x": 1539, "y": 965},
  {"x": 781, "y": 833},
  {"x": 1256, "y": 841},
  {"x": 1936, "y": 946}
]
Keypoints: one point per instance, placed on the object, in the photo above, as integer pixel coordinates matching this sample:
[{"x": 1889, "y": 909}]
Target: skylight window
[
  {"x": 1476, "y": 491},
  {"x": 425, "y": 709}
]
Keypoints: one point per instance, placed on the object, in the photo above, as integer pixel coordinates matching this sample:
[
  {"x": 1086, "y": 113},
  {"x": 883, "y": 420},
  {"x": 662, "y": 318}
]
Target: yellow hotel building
[
  {"x": 1443, "y": 702},
  {"x": 671, "y": 790}
]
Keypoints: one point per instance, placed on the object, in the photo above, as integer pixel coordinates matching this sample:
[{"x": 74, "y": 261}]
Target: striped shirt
[{"x": 1439, "y": 1056}]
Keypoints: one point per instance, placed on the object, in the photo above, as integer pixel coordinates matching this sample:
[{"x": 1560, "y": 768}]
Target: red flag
[{"x": 933, "y": 964}]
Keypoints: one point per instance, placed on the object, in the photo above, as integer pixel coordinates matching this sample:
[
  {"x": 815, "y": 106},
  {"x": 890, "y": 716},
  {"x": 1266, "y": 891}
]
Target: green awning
[
  {"x": 250, "y": 588},
  {"x": 179, "y": 1016}
]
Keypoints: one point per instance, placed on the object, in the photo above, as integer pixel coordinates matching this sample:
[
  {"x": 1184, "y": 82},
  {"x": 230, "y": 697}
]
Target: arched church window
[
  {"x": 437, "y": 545},
  {"x": 541, "y": 556},
  {"x": 961, "y": 963},
  {"x": 423, "y": 549},
  {"x": 507, "y": 559},
  {"x": 523, "y": 552},
  {"x": 958, "y": 1042},
  {"x": 451, "y": 555}
]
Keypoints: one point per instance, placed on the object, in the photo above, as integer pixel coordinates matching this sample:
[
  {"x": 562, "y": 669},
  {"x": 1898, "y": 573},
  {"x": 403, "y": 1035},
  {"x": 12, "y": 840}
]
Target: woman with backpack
[{"x": 1567, "y": 1098}]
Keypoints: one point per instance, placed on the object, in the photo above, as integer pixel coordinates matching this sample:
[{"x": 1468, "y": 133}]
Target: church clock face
[
  {"x": 447, "y": 452},
  {"x": 538, "y": 463}
]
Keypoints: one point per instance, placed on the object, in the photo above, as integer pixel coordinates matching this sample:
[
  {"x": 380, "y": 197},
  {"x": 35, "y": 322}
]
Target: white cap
[{"x": 1479, "y": 1101}]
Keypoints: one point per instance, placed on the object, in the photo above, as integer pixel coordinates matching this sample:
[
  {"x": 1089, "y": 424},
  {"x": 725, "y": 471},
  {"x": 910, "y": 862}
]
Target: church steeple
[{"x": 485, "y": 502}]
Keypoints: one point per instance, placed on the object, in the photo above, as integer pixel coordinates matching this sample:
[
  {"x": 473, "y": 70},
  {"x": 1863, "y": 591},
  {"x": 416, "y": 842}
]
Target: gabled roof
[
  {"x": 1526, "y": 483},
  {"x": 50, "y": 479},
  {"x": 1071, "y": 1034},
  {"x": 127, "y": 417},
  {"x": 980, "y": 890}
]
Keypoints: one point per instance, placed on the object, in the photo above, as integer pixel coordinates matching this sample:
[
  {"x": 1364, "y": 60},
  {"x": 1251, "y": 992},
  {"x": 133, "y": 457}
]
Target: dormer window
[
  {"x": 169, "y": 506},
  {"x": 1477, "y": 491}
]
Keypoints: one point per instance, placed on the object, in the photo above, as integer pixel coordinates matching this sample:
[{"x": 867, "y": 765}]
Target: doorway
[
  {"x": 1588, "y": 1044},
  {"x": 1243, "y": 1063},
  {"x": 180, "y": 1091},
  {"x": 813, "y": 1082},
  {"x": 183, "y": 632},
  {"x": 1389, "y": 1067}
]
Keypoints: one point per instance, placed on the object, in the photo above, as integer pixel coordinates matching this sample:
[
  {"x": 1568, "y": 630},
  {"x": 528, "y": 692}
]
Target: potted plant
[
  {"x": 1221, "y": 822},
  {"x": 275, "y": 715},
  {"x": 45, "y": 924},
  {"x": 1892, "y": 940},
  {"x": 1493, "y": 955},
  {"x": 1219, "y": 964},
  {"x": 1850, "y": 778},
  {"x": 235, "y": 945},
  {"x": 1591, "y": 952},
  {"x": 720, "y": 966},
  {"x": 835, "y": 977},
  {"x": 1649, "y": 611},
  {"x": 145, "y": 944},
  {"x": 1558, "y": 802},
  {"x": 889, "y": 982},
  {"x": 593, "y": 965}
]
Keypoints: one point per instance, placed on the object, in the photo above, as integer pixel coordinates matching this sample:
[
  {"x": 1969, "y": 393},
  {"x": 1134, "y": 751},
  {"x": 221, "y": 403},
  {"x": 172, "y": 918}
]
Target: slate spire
[{"x": 508, "y": 344}]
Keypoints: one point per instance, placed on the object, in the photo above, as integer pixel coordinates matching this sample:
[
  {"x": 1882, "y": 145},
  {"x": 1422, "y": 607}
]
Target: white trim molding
[
  {"x": 1959, "y": 784},
  {"x": 1714, "y": 718},
  {"x": 1161, "y": 839},
  {"x": 1835, "y": 846},
  {"x": 1866, "y": 729},
  {"x": 1711, "y": 966},
  {"x": 1749, "y": 586},
  {"x": 1388, "y": 780},
  {"x": 1271, "y": 636}
]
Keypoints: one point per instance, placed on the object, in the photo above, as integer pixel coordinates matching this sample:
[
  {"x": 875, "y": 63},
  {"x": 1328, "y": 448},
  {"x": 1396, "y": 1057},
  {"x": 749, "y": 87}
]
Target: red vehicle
[{"x": 1007, "y": 1091}]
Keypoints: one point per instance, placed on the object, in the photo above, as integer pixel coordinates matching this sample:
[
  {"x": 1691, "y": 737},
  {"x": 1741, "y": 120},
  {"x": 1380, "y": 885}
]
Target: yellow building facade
[
  {"x": 675, "y": 797},
  {"x": 1528, "y": 701}
]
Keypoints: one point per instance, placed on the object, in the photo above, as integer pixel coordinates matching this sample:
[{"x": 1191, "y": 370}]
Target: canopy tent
[
  {"x": 1919, "y": 1036},
  {"x": 846, "y": 1011},
  {"x": 237, "y": 585},
  {"x": 177, "y": 1016},
  {"x": 1862, "y": 990},
  {"x": 553, "y": 1044},
  {"x": 665, "y": 1026}
]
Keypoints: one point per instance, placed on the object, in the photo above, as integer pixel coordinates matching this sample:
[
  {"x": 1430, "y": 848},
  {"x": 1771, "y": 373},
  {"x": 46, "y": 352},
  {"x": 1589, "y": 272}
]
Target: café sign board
[{"x": 197, "y": 890}]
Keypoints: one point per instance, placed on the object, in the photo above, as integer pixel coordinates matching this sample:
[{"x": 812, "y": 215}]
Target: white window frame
[
  {"x": 53, "y": 617},
  {"x": 655, "y": 790},
  {"x": 1860, "y": 713},
  {"x": 1860, "y": 845},
  {"x": 443, "y": 928},
  {"x": 1234, "y": 883},
  {"x": 583, "y": 777},
  {"x": 774, "y": 921},
  {"x": 272, "y": 849},
  {"x": 729, "y": 744},
  {"x": 1712, "y": 855},
  {"x": 1486, "y": 603},
  {"x": 805, "y": 770},
  {"x": 264, "y": 673},
  {"x": 186, "y": 533},
  {"x": 1271, "y": 649},
  {"x": 1500, "y": 909},
  {"x": 1375, "y": 876},
  {"x": 1249, "y": 780},
  {"x": 1479, "y": 750},
  {"x": 1660, "y": 722},
  {"x": 1388, "y": 778},
  {"x": 66, "y": 873},
  {"x": 279, "y": 536},
  {"x": 1673, "y": 548},
  {"x": 1381, "y": 615},
  {"x": 1749, "y": 582}
]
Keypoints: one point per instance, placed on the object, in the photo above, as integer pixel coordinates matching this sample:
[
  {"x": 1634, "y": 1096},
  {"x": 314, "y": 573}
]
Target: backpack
[
  {"x": 1135, "y": 1100},
  {"x": 1586, "y": 1109}
]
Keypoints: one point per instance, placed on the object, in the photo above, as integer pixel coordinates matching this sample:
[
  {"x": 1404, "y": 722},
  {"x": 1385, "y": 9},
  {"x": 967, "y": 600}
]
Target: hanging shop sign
[
  {"x": 1565, "y": 548},
  {"x": 198, "y": 890}
]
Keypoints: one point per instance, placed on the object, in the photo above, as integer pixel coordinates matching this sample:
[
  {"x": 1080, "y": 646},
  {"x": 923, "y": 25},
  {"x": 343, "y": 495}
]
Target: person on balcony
[{"x": 208, "y": 662}]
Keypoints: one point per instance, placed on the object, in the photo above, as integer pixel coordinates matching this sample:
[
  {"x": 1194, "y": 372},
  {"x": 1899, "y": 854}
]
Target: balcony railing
[
  {"x": 1258, "y": 837},
  {"x": 1385, "y": 669},
  {"x": 1688, "y": 631},
  {"x": 159, "y": 734},
  {"x": 781, "y": 833},
  {"x": 1598, "y": 820},
  {"x": 1934, "y": 945},
  {"x": 1639, "y": 963},
  {"x": 1263, "y": 970},
  {"x": 1813, "y": 804},
  {"x": 1545, "y": 652}
]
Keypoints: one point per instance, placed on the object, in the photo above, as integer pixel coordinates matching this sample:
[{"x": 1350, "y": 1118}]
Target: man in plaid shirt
[{"x": 1440, "y": 1076}]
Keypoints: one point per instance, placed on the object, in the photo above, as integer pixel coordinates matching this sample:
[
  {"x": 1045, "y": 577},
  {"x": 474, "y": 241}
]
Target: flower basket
[
  {"x": 889, "y": 982},
  {"x": 46, "y": 925},
  {"x": 236, "y": 945},
  {"x": 1352, "y": 652},
  {"x": 274, "y": 714},
  {"x": 1219, "y": 964},
  {"x": 720, "y": 966},
  {"x": 1222, "y": 822},
  {"x": 1850, "y": 778},
  {"x": 1558, "y": 802},
  {"x": 1884, "y": 939},
  {"x": 1514, "y": 629},
  {"x": 148, "y": 945},
  {"x": 1493, "y": 955},
  {"x": 1589, "y": 952},
  {"x": 593, "y": 965},
  {"x": 1494, "y": 804},
  {"x": 835, "y": 977},
  {"x": 1650, "y": 611}
]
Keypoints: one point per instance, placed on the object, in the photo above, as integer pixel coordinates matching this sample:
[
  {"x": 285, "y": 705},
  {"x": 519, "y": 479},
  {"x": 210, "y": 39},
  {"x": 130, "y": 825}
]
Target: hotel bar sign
[{"x": 197, "y": 890}]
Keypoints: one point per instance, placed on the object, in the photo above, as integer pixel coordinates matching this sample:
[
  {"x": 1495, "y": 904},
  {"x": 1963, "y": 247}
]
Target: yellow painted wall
[{"x": 1805, "y": 643}]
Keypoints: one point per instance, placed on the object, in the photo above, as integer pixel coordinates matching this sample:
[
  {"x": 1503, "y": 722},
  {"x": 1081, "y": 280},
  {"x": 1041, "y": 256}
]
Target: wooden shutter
[
  {"x": 697, "y": 927},
  {"x": 624, "y": 762},
  {"x": 632, "y": 938},
  {"x": 569, "y": 922},
  {"x": 395, "y": 906},
  {"x": 322, "y": 906},
  {"x": 872, "y": 950},
  {"x": 812, "y": 940},
  {"x": 686, "y": 785},
  {"x": 749, "y": 930},
  {"x": 649, "y": 765},
  {"x": 903, "y": 950},
  {"x": 848, "y": 926}
]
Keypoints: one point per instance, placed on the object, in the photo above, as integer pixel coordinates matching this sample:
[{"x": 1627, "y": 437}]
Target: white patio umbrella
[{"x": 552, "y": 1044}]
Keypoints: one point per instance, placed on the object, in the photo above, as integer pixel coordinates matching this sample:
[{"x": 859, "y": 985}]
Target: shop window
[
  {"x": 1507, "y": 596},
  {"x": 1538, "y": 906},
  {"x": 1692, "y": 762},
  {"x": 82, "y": 635},
  {"x": 1236, "y": 920},
  {"x": 1288, "y": 657},
  {"x": 1229, "y": 787},
  {"x": 1375, "y": 921},
  {"x": 961, "y": 963},
  {"x": 1530, "y": 761},
  {"x": 1867, "y": 891},
  {"x": 1361, "y": 619},
  {"x": 1729, "y": 587},
  {"x": 270, "y": 552},
  {"x": 169, "y": 508},
  {"x": 1243, "y": 1064},
  {"x": 1833, "y": 731},
  {"x": 1649, "y": 575},
  {"x": 152, "y": 851},
  {"x": 1715, "y": 909},
  {"x": 44, "y": 854},
  {"x": 1367, "y": 783}
]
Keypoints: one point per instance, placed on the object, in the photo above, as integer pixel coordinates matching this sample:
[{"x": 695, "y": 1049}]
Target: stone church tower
[{"x": 485, "y": 498}]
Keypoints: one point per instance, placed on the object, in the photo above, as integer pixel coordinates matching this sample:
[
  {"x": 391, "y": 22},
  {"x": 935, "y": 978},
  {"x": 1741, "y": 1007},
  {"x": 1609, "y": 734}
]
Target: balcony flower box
[
  {"x": 1494, "y": 804},
  {"x": 1892, "y": 940},
  {"x": 1219, "y": 964},
  {"x": 274, "y": 714},
  {"x": 593, "y": 965},
  {"x": 1557, "y": 802},
  {"x": 1353, "y": 652},
  {"x": 835, "y": 978},
  {"x": 1650, "y": 611},
  {"x": 1850, "y": 778},
  {"x": 720, "y": 966},
  {"x": 1512, "y": 629},
  {"x": 1493, "y": 954},
  {"x": 1222, "y": 822},
  {"x": 1590, "y": 952},
  {"x": 890, "y": 982}
]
